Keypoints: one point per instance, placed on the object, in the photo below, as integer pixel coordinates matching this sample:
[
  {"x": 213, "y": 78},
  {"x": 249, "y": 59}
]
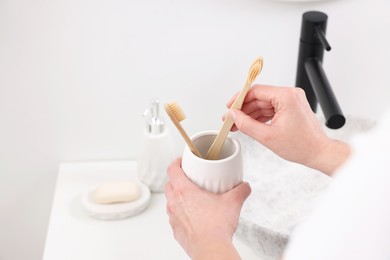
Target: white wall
[{"x": 75, "y": 77}]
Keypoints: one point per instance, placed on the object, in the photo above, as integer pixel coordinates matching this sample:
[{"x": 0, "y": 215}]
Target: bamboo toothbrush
[
  {"x": 176, "y": 114},
  {"x": 216, "y": 147}
]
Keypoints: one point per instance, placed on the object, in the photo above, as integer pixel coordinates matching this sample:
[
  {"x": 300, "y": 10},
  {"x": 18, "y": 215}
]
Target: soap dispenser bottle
[{"x": 156, "y": 152}]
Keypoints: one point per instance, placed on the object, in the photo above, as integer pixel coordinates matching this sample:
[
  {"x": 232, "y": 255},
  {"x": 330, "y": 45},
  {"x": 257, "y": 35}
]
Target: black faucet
[{"x": 310, "y": 74}]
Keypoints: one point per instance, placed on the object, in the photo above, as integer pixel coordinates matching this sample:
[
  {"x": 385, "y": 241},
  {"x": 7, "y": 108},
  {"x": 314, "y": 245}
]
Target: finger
[
  {"x": 174, "y": 166},
  {"x": 261, "y": 115},
  {"x": 169, "y": 195},
  {"x": 257, "y": 115},
  {"x": 255, "y": 93},
  {"x": 264, "y": 119},
  {"x": 249, "y": 126},
  {"x": 254, "y": 105},
  {"x": 224, "y": 116},
  {"x": 257, "y": 110},
  {"x": 234, "y": 128},
  {"x": 177, "y": 177},
  {"x": 264, "y": 93},
  {"x": 240, "y": 193},
  {"x": 168, "y": 190},
  {"x": 175, "y": 172}
]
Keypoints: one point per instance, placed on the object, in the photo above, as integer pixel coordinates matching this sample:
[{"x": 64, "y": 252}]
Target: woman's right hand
[{"x": 281, "y": 119}]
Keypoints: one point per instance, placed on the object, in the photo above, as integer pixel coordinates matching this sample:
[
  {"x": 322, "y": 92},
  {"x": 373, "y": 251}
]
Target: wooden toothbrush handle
[
  {"x": 216, "y": 147},
  {"x": 194, "y": 150},
  {"x": 190, "y": 144},
  {"x": 237, "y": 104}
]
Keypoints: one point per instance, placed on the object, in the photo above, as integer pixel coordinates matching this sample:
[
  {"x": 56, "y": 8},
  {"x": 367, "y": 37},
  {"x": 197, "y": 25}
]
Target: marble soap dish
[
  {"x": 282, "y": 193},
  {"x": 114, "y": 211}
]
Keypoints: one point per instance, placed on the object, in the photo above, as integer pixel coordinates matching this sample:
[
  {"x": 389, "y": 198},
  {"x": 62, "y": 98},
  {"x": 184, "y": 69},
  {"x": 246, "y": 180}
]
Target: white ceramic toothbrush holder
[{"x": 217, "y": 176}]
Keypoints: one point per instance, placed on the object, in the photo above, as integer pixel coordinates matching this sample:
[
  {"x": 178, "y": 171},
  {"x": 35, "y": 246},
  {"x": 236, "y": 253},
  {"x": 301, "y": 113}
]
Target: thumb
[
  {"x": 240, "y": 193},
  {"x": 248, "y": 125}
]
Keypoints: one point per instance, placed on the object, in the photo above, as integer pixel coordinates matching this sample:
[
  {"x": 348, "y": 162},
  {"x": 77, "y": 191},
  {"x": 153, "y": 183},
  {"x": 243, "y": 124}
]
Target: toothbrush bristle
[
  {"x": 255, "y": 69},
  {"x": 177, "y": 111}
]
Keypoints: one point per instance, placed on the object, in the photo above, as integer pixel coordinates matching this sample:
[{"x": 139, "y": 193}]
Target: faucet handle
[
  {"x": 321, "y": 36},
  {"x": 314, "y": 28}
]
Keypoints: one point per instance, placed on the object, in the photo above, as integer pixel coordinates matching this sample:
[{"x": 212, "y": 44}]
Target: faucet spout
[
  {"x": 319, "y": 82},
  {"x": 310, "y": 74}
]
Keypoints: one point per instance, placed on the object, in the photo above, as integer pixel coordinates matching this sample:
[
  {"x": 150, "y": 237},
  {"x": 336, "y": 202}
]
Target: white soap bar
[{"x": 116, "y": 192}]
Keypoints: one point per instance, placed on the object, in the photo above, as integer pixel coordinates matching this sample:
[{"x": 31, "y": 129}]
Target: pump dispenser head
[{"x": 154, "y": 124}]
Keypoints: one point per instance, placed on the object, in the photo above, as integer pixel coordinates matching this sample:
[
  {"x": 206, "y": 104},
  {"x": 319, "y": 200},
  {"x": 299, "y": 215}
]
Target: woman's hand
[
  {"x": 203, "y": 222},
  {"x": 281, "y": 119}
]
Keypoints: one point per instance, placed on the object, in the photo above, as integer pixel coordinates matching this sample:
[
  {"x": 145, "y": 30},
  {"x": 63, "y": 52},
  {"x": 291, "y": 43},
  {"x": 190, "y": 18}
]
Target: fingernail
[{"x": 232, "y": 114}]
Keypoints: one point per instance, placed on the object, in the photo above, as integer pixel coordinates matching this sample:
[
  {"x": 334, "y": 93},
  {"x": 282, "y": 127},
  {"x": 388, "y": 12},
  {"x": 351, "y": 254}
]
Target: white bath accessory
[
  {"x": 157, "y": 150},
  {"x": 114, "y": 211},
  {"x": 116, "y": 192},
  {"x": 216, "y": 176}
]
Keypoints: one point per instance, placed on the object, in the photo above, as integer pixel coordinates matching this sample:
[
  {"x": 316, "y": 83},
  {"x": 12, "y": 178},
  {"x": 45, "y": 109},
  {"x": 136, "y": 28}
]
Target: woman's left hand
[{"x": 203, "y": 222}]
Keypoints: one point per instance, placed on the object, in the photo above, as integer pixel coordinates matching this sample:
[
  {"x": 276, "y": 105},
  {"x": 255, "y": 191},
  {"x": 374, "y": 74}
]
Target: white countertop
[{"x": 74, "y": 235}]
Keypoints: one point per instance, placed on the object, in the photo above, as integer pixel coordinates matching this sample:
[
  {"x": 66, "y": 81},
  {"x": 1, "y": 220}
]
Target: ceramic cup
[{"x": 217, "y": 176}]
